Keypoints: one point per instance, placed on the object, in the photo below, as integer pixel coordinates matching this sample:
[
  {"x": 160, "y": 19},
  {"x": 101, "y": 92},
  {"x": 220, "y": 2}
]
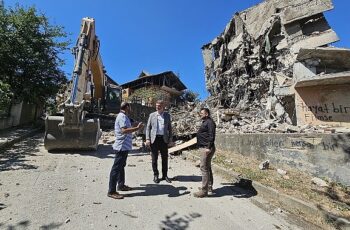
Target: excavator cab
[
  {"x": 112, "y": 100},
  {"x": 74, "y": 130}
]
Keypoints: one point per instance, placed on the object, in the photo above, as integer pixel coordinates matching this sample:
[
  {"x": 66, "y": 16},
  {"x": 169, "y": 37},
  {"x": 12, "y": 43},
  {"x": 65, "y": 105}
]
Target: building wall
[
  {"x": 328, "y": 104},
  {"x": 149, "y": 95},
  {"x": 21, "y": 113},
  {"x": 322, "y": 155}
]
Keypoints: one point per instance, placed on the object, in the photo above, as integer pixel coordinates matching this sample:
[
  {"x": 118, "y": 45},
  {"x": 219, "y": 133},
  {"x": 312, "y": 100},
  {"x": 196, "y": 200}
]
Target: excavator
[{"x": 89, "y": 96}]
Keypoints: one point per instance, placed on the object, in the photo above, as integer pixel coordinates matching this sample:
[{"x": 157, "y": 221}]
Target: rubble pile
[
  {"x": 185, "y": 119},
  {"x": 249, "y": 67},
  {"x": 228, "y": 121}
]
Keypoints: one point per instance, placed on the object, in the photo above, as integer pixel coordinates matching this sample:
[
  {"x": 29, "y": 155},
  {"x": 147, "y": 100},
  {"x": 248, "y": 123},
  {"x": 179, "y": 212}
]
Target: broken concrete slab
[
  {"x": 297, "y": 10},
  {"x": 331, "y": 57},
  {"x": 182, "y": 146}
]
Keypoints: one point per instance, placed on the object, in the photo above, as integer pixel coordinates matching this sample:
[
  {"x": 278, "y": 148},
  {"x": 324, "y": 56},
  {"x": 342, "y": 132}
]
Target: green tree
[
  {"x": 190, "y": 96},
  {"x": 29, "y": 54},
  {"x": 5, "y": 98}
]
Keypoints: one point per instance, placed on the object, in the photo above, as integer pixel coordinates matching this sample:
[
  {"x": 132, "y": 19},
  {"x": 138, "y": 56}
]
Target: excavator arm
[{"x": 73, "y": 130}]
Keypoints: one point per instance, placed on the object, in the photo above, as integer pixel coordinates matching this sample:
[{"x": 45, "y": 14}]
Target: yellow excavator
[{"x": 90, "y": 96}]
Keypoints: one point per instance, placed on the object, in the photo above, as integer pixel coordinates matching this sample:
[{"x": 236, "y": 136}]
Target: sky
[{"x": 158, "y": 35}]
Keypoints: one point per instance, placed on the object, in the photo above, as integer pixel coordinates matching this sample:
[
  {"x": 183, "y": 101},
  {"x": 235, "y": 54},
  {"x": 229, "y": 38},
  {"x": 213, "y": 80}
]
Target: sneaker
[
  {"x": 115, "y": 195},
  {"x": 124, "y": 188}
]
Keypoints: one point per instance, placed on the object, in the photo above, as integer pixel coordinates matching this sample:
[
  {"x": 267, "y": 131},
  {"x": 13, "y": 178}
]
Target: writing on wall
[
  {"x": 323, "y": 105},
  {"x": 323, "y": 112},
  {"x": 289, "y": 143}
]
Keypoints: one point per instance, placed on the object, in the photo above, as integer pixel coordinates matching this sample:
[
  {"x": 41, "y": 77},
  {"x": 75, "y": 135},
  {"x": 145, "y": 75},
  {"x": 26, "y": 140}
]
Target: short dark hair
[
  {"x": 160, "y": 102},
  {"x": 124, "y": 105},
  {"x": 206, "y": 110}
]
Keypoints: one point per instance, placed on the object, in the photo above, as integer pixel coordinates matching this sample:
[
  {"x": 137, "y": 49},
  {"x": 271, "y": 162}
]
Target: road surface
[{"x": 68, "y": 190}]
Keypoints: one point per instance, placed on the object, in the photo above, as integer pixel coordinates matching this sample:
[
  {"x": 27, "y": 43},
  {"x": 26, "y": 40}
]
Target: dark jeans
[
  {"x": 162, "y": 147},
  {"x": 207, "y": 173},
  {"x": 117, "y": 175}
]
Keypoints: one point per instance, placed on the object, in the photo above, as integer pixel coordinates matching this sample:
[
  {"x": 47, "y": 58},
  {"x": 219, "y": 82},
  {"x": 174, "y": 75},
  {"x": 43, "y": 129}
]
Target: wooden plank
[{"x": 183, "y": 145}]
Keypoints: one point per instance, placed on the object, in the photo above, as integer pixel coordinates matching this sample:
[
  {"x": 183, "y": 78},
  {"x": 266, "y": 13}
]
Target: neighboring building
[{"x": 148, "y": 88}]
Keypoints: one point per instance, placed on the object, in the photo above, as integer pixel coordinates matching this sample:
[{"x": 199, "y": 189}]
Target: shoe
[
  {"x": 167, "y": 179},
  {"x": 124, "y": 188},
  {"x": 210, "y": 190},
  {"x": 156, "y": 179},
  {"x": 115, "y": 195},
  {"x": 200, "y": 194}
]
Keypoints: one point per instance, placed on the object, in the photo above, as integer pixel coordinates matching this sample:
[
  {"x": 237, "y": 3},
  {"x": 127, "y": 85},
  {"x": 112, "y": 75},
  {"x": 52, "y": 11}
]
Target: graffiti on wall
[
  {"x": 296, "y": 143},
  {"x": 324, "y": 112},
  {"x": 291, "y": 143}
]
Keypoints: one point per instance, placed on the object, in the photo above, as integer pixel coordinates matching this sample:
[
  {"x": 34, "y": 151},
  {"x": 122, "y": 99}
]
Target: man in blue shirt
[{"x": 121, "y": 147}]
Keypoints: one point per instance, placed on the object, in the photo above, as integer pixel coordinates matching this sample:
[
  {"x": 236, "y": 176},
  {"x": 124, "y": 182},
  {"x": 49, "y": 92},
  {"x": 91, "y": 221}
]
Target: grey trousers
[{"x": 205, "y": 166}]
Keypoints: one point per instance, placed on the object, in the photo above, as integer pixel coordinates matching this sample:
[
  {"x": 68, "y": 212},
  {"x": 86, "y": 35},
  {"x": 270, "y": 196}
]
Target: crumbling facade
[{"x": 258, "y": 71}]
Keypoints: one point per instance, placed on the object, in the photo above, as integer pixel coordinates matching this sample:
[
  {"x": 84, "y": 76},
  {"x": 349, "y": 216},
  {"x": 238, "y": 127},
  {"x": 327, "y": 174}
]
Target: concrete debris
[
  {"x": 281, "y": 172},
  {"x": 286, "y": 177},
  {"x": 251, "y": 69},
  {"x": 198, "y": 163},
  {"x": 185, "y": 119},
  {"x": 182, "y": 146},
  {"x": 264, "y": 165},
  {"x": 319, "y": 182}
]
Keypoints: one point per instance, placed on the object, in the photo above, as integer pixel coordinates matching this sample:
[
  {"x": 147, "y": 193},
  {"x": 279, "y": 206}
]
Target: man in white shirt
[{"x": 158, "y": 137}]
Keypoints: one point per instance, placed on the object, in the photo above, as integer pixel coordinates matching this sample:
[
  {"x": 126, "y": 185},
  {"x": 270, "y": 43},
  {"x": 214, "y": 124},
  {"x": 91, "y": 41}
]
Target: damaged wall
[
  {"x": 250, "y": 66},
  {"x": 323, "y": 155},
  {"x": 323, "y": 105}
]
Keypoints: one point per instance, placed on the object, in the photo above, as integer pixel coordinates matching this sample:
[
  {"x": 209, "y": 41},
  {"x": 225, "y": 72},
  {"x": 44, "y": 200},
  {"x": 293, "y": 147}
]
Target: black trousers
[
  {"x": 117, "y": 175},
  {"x": 159, "y": 146}
]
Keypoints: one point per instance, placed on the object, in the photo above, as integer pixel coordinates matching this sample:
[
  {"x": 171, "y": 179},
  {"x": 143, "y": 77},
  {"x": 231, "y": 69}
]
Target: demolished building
[{"x": 273, "y": 70}]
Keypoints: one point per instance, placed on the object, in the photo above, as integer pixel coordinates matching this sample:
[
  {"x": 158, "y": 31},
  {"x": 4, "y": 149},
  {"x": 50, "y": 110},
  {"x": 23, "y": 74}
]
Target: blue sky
[{"x": 158, "y": 35}]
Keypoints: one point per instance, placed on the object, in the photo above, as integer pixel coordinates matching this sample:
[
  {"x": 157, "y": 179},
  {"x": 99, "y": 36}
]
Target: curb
[
  {"x": 11, "y": 141},
  {"x": 288, "y": 202}
]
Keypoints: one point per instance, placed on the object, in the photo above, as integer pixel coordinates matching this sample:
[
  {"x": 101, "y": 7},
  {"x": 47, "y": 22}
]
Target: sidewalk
[{"x": 9, "y": 137}]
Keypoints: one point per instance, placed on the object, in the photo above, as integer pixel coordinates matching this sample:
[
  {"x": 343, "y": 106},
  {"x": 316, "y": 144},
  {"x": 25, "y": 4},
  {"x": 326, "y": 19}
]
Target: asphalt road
[{"x": 41, "y": 190}]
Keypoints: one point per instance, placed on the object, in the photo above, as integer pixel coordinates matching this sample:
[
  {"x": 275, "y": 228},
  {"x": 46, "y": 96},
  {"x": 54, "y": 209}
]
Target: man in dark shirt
[{"x": 206, "y": 144}]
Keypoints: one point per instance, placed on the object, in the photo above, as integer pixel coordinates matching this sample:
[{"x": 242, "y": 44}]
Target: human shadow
[
  {"x": 233, "y": 189},
  {"x": 158, "y": 189},
  {"x": 26, "y": 225},
  {"x": 15, "y": 158},
  {"x": 51, "y": 226},
  {"x": 104, "y": 151},
  {"x": 178, "y": 222},
  {"x": 20, "y": 225},
  {"x": 2, "y": 206},
  {"x": 187, "y": 178}
]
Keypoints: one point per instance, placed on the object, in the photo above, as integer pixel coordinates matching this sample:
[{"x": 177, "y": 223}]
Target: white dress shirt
[{"x": 160, "y": 124}]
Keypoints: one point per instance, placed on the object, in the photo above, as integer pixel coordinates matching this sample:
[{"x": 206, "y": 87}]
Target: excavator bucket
[{"x": 69, "y": 137}]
